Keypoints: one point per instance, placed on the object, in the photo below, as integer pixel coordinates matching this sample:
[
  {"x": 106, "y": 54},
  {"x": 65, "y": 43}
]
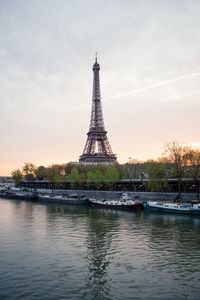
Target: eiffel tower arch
[{"x": 97, "y": 148}]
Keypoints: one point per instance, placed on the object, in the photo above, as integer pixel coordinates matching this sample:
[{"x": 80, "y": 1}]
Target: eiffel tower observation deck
[{"x": 97, "y": 148}]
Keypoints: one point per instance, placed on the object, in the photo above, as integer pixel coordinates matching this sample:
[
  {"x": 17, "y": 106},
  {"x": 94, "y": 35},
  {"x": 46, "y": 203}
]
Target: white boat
[
  {"x": 124, "y": 202},
  {"x": 182, "y": 208}
]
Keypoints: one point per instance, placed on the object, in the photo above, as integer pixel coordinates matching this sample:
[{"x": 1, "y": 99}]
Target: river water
[{"x": 52, "y": 251}]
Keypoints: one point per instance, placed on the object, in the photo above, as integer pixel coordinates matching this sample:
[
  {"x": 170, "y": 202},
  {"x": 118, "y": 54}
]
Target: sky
[{"x": 148, "y": 52}]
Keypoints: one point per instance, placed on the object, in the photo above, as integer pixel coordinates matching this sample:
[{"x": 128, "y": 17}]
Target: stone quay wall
[{"x": 143, "y": 196}]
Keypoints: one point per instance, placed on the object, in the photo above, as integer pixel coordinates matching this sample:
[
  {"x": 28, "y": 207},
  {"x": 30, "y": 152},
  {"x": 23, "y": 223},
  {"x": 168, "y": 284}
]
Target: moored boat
[
  {"x": 66, "y": 199},
  {"x": 18, "y": 195},
  {"x": 7, "y": 194},
  {"x": 26, "y": 196},
  {"x": 123, "y": 203},
  {"x": 195, "y": 207},
  {"x": 179, "y": 208}
]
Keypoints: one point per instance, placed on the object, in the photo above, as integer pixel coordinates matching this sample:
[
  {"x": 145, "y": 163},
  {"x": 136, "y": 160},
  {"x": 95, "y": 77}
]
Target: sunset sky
[{"x": 149, "y": 54}]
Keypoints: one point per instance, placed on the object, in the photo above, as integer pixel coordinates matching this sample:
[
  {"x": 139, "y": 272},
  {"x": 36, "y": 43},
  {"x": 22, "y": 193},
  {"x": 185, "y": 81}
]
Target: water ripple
[{"x": 52, "y": 251}]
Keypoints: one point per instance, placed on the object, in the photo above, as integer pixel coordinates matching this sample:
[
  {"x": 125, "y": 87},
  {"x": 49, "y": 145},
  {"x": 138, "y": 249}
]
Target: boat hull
[
  {"x": 188, "y": 210},
  {"x": 121, "y": 206},
  {"x": 64, "y": 200},
  {"x": 166, "y": 210},
  {"x": 26, "y": 197},
  {"x": 7, "y": 195},
  {"x": 11, "y": 195},
  {"x": 195, "y": 211}
]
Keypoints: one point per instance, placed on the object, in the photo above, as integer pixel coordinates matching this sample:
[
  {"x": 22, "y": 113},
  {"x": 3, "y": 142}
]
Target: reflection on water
[
  {"x": 99, "y": 254},
  {"x": 52, "y": 251}
]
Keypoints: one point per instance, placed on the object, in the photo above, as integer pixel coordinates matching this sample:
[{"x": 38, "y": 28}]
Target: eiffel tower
[{"x": 97, "y": 148}]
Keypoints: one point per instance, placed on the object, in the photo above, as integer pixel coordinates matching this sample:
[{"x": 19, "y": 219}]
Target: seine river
[{"x": 51, "y": 251}]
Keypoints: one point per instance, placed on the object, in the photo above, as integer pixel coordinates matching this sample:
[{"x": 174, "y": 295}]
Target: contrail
[
  {"x": 177, "y": 97},
  {"x": 154, "y": 85}
]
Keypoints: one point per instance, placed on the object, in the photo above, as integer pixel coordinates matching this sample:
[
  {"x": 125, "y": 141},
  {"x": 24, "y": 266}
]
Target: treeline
[
  {"x": 177, "y": 161},
  {"x": 79, "y": 176}
]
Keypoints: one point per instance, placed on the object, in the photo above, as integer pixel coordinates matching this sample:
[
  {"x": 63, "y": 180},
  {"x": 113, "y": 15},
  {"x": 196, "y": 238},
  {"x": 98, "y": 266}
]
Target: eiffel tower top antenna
[{"x": 96, "y": 57}]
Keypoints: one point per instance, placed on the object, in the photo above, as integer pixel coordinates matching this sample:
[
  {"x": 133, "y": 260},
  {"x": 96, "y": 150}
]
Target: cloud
[
  {"x": 46, "y": 56},
  {"x": 156, "y": 85}
]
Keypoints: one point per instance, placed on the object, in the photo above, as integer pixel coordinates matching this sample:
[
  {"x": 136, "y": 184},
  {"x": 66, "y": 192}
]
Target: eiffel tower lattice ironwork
[{"x": 97, "y": 148}]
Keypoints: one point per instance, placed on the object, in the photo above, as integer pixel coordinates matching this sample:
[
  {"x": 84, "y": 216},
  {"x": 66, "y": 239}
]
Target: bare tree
[
  {"x": 193, "y": 161},
  {"x": 175, "y": 154}
]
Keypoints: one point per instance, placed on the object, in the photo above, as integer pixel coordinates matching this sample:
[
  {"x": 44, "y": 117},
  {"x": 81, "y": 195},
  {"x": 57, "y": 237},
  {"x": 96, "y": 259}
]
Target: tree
[
  {"x": 98, "y": 178},
  {"x": 174, "y": 154},
  {"x": 81, "y": 180},
  {"x": 17, "y": 176},
  {"x": 90, "y": 178},
  {"x": 73, "y": 177},
  {"x": 58, "y": 179},
  {"x": 40, "y": 173},
  {"x": 192, "y": 157},
  {"x": 134, "y": 168},
  {"x": 29, "y": 171},
  {"x": 51, "y": 171},
  {"x": 156, "y": 174},
  {"x": 111, "y": 176}
]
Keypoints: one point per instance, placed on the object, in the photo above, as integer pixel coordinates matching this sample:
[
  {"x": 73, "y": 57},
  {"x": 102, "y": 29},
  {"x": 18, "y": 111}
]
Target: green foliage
[
  {"x": 98, "y": 178},
  {"x": 111, "y": 176},
  {"x": 58, "y": 179},
  {"x": 17, "y": 176},
  {"x": 155, "y": 169},
  {"x": 73, "y": 177},
  {"x": 81, "y": 180},
  {"x": 95, "y": 179},
  {"x": 157, "y": 176},
  {"x": 51, "y": 171},
  {"x": 85, "y": 168},
  {"x": 90, "y": 178}
]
